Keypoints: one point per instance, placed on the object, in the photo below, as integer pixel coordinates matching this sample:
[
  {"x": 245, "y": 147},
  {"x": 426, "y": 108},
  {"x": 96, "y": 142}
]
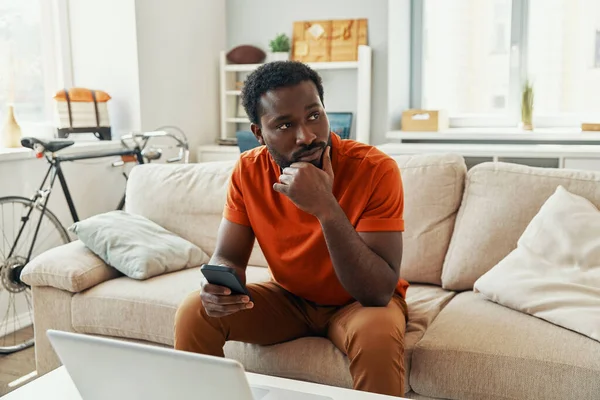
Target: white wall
[
  {"x": 158, "y": 60},
  {"x": 178, "y": 45},
  {"x": 256, "y": 22},
  {"x": 104, "y": 56},
  {"x": 399, "y": 61}
]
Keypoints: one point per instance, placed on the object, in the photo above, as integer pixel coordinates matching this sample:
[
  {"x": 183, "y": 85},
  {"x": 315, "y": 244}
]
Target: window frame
[
  {"x": 56, "y": 60},
  {"x": 518, "y": 75}
]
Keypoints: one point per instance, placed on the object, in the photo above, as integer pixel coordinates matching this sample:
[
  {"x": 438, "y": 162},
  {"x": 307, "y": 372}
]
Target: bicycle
[{"x": 34, "y": 228}]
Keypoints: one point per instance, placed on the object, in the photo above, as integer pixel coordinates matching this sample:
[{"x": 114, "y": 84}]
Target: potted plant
[
  {"x": 527, "y": 106},
  {"x": 280, "y": 48}
]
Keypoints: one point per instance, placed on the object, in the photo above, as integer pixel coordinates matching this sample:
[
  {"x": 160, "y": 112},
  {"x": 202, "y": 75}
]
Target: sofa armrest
[{"x": 71, "y": 267}]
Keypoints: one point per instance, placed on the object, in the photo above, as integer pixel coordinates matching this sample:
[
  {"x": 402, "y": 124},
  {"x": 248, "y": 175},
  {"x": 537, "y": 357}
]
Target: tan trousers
[{"x": 371, "y": 337}]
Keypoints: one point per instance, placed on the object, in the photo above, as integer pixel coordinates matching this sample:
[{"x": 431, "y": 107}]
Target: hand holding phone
[{"x": 225, "y": 293}]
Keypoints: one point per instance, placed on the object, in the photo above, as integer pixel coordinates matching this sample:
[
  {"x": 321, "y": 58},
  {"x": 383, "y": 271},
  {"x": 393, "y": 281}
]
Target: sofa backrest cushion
[
  {"x": 186, "y": 199},
  {"x": 433, "y": 189},
  {"x": 500, "y": 200}
]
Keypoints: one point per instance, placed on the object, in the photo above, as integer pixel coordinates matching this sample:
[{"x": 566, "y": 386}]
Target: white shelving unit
[{"x": 232, "y": 121}]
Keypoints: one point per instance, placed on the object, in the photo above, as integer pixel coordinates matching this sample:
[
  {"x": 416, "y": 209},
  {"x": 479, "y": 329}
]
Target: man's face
[{"x": 294, "y": 126}]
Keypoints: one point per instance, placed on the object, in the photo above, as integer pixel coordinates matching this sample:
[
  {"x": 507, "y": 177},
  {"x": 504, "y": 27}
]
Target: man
[{"x": 327, "y": 214}]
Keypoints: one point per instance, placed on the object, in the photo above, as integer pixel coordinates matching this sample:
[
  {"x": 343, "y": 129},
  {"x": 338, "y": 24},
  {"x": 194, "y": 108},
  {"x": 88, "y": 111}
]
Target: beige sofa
[{"x": 458, "y": 226}]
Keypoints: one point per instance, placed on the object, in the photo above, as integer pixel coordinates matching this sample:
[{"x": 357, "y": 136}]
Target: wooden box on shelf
[
  {"x": 346, "y": 36},
  {"x": 325, "y": 41},
  {"x": 424, "y": 120}
]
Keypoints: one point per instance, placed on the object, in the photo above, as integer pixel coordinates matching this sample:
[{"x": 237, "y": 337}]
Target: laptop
[{"x": 104, "y": 368}]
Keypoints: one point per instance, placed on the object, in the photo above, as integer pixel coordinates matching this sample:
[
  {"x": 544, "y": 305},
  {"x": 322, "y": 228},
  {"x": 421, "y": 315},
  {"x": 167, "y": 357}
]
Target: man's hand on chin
[{"x": 309, "y": 187}]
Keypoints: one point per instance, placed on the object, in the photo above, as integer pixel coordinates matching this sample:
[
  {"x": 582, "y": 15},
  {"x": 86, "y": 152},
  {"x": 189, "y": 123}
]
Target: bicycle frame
[{"x": 54, "y": 171}]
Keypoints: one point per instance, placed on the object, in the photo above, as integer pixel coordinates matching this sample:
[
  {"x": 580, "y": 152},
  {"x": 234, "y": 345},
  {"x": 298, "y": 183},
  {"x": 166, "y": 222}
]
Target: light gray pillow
[{"x": 136, "y": 246}]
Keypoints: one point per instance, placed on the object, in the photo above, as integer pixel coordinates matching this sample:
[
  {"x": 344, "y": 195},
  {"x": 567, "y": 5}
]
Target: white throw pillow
[
  {"x": 554, "y": 273},
  {"x": 136, "y": 246}
]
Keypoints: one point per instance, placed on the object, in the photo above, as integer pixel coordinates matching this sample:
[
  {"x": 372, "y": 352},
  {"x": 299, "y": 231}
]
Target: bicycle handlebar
[{"x": 146, "y": 136}]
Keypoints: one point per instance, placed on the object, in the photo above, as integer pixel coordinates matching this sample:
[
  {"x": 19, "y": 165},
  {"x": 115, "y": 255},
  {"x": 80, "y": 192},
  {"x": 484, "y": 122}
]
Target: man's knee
[{"x": 379, "y": 332}]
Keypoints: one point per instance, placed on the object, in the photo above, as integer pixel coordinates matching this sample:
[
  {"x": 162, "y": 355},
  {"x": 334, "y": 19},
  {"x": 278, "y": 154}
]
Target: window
[
  {"x": 475, "y": 56},
  {"x": 28, "y": 61}
]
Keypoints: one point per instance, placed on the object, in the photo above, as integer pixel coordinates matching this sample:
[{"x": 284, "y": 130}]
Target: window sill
[
  {"x": 23, "y": 153},
  {"x": 498, "y": 135}
]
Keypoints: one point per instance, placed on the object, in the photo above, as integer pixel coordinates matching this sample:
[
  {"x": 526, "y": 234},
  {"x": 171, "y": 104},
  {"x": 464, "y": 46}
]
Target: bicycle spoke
[
  {"x": 24, "y": 239},
  {"x": 5, "y": 319},
  {"x": 15, "y": 320},
  {"x": 32, "y": 223},
  {"x": 39, "y": 242},
  {"x": 28, "y": 236},
  {"x": 4, "y": 236}
]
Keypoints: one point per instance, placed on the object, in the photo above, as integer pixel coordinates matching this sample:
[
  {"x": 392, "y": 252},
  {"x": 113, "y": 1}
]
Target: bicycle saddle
[{"x": 51, "y": 146}]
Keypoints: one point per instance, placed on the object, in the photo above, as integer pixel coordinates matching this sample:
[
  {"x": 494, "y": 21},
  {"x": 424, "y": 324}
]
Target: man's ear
[{"x": 257, "y": 133}]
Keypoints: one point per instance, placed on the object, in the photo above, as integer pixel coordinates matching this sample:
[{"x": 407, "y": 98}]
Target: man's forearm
[{"x": 365, "y": 275}]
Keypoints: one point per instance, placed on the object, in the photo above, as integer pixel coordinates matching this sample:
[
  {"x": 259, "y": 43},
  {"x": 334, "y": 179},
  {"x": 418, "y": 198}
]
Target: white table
[{"x": 58, "y": 385}]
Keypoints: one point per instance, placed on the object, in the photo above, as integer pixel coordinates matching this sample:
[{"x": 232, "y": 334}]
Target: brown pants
[{"x": 371, "y": 337}]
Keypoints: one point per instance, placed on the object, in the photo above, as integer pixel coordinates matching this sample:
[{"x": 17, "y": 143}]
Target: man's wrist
[{"x": 329, "y": 211}]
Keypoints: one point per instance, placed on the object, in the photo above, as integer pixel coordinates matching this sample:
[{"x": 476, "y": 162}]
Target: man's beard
[{"x": 284, "y": 162}]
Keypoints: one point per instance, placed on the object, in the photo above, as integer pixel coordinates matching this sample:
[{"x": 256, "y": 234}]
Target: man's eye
[
  {"x": 284, "y": 126},
  {"x": 314, "y": 117}
]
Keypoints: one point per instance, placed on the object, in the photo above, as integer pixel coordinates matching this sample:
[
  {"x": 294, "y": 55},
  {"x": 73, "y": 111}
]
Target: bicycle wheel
[{"x": 16, "y": 306}]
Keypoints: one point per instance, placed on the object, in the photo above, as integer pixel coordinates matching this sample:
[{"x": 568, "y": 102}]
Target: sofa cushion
[
  {"x": 500, "y": 200},
  {"x": 559, "y": 253},
  {"x": 433, "y": 189},
  {"x": 476, "y": 349},
  {"x": 298, "y": 359},
  {"x": 199, "y": 191},
  {"x": 136, "y": 246},
  {"x": 84, "y": 269},
  {"x": 145, "y": 310}
]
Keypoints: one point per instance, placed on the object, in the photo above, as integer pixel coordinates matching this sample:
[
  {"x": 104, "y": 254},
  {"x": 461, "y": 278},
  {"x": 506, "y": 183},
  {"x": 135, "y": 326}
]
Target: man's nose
[{"x": 305, "y": 135}]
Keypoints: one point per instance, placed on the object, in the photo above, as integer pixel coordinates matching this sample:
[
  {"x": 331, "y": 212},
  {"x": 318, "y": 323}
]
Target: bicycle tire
[{"x": 12, "y": 314}]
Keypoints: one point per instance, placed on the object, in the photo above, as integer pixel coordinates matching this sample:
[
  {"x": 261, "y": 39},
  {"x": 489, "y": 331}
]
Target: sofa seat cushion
[
  {"x": 145, "y": 310},
  {"x": 317, "y": 360},
  {"x": 476, "y": 349}
]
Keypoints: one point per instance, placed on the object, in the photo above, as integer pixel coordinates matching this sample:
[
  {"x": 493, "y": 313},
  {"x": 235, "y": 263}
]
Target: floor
[{"x": 14, "y": 366}]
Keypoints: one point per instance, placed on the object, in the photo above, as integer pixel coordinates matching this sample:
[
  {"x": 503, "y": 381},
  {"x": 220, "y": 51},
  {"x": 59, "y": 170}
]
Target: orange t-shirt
[{"x": 368, "y": 187}]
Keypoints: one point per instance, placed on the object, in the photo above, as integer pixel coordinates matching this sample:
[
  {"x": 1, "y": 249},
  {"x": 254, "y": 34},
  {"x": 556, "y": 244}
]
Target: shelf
[
  {"x": 238, "y": 120},
  {"x": 316, "y": 66},
  {"x": 498, "y": 134},
  {"x": 231, "y": 74}
]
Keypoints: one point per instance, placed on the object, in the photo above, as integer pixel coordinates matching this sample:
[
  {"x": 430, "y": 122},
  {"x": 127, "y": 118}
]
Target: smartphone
[{"x": 224, "y": 276}]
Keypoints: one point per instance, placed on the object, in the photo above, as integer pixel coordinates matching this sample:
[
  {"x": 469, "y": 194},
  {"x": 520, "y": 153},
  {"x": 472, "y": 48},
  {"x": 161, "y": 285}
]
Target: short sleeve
[
  {"x": 385, "y": 207},
  {"x": 235, "y": 208}
]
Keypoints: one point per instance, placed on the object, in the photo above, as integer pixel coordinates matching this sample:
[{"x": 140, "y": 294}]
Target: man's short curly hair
[{"x": 272, "y": 76}]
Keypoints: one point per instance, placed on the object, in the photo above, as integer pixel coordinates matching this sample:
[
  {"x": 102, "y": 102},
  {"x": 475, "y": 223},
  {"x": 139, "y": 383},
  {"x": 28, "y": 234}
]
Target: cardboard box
[
  {"x": 424, "y": 120},
  {"x": 590, "y": 127}
]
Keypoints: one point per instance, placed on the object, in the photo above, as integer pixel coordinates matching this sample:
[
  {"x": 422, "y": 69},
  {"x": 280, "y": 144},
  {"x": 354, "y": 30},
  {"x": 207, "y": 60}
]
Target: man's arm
[
  {"x": 366, "y": 263},
  {"x": 234, "y": 246}
]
